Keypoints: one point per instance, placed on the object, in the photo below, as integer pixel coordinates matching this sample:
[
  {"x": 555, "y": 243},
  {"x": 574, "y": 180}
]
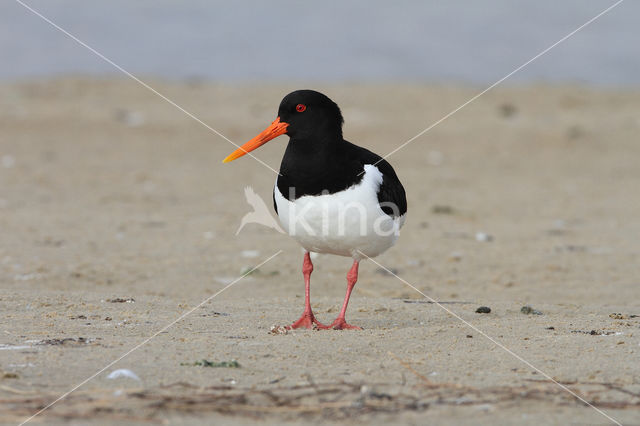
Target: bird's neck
[
  {"x": 309, "y": 156},
  {"x": 309, "y": 167}
]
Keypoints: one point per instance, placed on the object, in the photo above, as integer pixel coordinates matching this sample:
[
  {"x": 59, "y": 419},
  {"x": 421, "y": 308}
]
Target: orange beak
[{"x": 274, "y": 130}]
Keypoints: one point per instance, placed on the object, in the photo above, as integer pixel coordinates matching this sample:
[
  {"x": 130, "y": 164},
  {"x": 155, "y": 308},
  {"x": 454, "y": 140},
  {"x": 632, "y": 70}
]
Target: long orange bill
[{"x": 274, "y": 130}]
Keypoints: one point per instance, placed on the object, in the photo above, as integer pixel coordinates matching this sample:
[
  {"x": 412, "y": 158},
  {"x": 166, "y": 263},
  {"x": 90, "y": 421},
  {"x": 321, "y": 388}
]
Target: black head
[
  {"x": 310, "y": 114},
  {"x": 303, "y": 115}
]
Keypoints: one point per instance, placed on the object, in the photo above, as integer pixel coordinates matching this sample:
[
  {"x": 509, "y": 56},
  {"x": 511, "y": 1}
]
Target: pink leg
[
  {"x": 341, "y": 323},
  {"x": 307, "y": 320}
]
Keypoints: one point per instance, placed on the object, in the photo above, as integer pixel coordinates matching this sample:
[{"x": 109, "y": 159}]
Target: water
[{"x": 474, "y": 42}]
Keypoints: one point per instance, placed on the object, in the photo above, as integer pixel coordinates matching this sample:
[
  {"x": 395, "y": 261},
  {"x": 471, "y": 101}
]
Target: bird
[
  {"x": 260, "y": 213},
  {"x": 330, "y": 195}
]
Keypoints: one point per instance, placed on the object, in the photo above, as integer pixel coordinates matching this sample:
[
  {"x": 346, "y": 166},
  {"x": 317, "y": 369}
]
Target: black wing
[
  {"x": 391, "y": 195},
  {"x": 275, "y": 206},
  {"x": 298, "y": 177}
]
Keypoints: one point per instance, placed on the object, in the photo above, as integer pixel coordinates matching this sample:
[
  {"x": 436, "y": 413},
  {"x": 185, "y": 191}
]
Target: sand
[{"x": 528, "y": 196}]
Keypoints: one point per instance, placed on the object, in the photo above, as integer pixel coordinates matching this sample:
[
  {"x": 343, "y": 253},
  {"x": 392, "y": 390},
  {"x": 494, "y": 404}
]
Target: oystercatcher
[{"x": 331, "y": 195}]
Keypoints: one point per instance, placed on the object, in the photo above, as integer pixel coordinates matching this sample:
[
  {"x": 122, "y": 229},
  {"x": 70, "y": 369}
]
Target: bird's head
[{"x": 302, "y": 114}]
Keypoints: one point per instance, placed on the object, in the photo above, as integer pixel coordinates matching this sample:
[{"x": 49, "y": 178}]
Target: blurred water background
[{"x": 453, "y": 41}]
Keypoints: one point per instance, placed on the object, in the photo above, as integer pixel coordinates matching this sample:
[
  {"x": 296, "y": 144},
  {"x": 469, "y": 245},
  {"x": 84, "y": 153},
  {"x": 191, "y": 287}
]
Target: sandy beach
[{"x": 117, "y": 217}]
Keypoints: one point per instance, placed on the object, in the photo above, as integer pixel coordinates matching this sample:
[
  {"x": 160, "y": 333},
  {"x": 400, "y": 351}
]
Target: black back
[{"x": 306, "y": 175}]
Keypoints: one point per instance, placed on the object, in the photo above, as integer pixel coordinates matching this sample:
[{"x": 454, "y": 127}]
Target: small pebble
[
  {"x": 390, "y": 272},
  {"x": 483, "y": 310},
  {"x": 250, "y": 253},
  {"x": 528, "y": 310},
  {"x": 483, "y": 237},
  {"x": 130, "y": 118},
  {"x": 442, "y": 209},
  {"x": 507, "y": 110},
  {"x": 455, "y": 256}
]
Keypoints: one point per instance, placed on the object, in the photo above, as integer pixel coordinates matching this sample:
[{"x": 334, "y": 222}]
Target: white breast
[{"x": 347, "y": 223}]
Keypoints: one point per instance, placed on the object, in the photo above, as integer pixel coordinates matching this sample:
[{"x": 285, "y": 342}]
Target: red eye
[{"x": 301, "y": 107}]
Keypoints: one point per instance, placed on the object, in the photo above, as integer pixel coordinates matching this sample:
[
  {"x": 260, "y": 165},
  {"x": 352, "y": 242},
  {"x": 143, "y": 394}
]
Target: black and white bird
[{"x": 331, "y": 196}]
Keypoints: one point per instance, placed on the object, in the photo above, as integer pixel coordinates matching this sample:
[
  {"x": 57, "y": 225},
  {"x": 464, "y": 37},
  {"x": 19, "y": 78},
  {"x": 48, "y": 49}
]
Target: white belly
[{"x": 347, "y": 223}]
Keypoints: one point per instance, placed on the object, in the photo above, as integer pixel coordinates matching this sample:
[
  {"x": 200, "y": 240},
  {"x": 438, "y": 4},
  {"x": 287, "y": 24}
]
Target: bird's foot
[
  {"x": 341, "y": 324},
  {"x": 307, "y": 320}
]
